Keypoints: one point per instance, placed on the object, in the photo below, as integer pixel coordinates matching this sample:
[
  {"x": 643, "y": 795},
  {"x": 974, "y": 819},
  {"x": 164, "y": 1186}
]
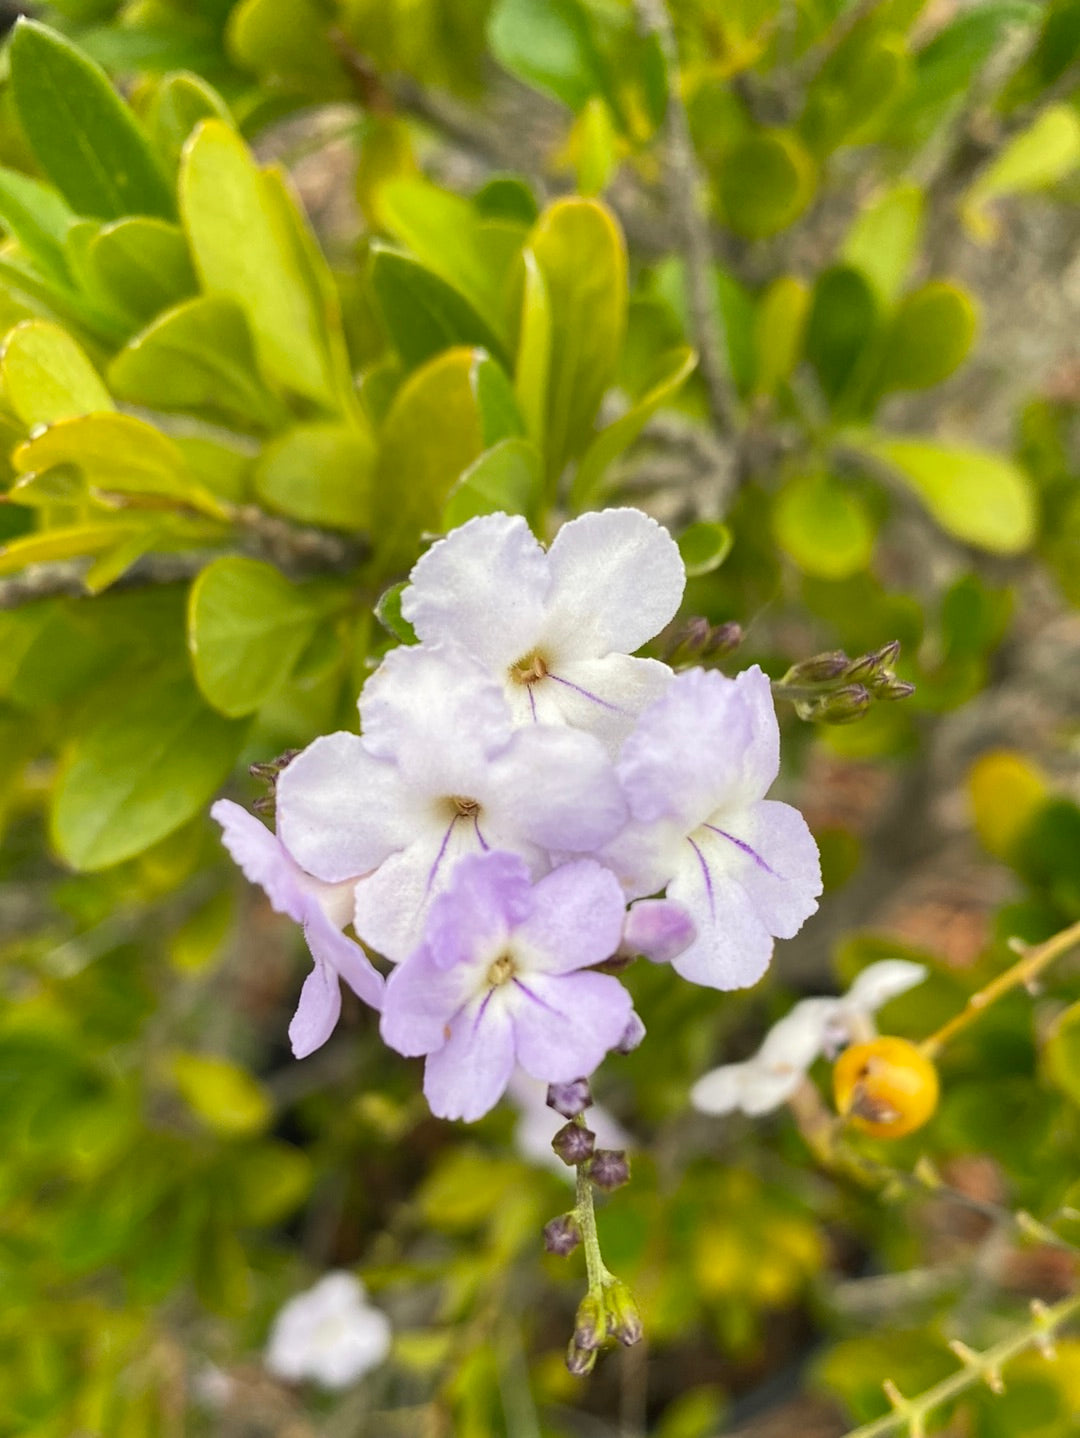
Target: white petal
[
  {"x": 800, "y": 1036},
  {"x": 720, "y": 1090},
  {"x": 769, "y": 850},
  {"x": 360, "y": 1345},
  {"x": 317, "y": 1012},
  {"x": 766, "y": 1088},
  {"x": 261, "y": 857},
  {"x": 340, "y": 811},
  {"x": 617, "y": 579},
  {"x": 880, "y": 982},
  {"x": 552, "y": 787},
  {"x": 602, "y": 696},
  {"x": 485, "y": 587},
  {"x": 733, "y": 947}
]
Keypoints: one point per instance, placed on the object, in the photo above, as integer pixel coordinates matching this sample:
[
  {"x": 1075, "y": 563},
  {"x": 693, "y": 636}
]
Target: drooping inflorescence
[{"x": 526, "y": 801}]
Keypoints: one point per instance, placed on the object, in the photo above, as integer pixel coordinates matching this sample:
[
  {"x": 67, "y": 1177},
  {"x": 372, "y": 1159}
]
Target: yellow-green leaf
[
  {"x": 824, "y": 526},
  {"x": 929, "y": 337},
  {"x": 320, "y": 474},
  {"x": 226, "y": 1097},
  {"x": 47, "y": 376},
  {"x": 779, "y": 327}
]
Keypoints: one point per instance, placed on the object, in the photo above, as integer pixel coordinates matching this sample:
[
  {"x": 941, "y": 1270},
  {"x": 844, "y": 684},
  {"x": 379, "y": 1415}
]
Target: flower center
[
  {"x": 530, "y": 669},
  {"x": 501, "y": 971},
  {"x": 464, "y": 807}
]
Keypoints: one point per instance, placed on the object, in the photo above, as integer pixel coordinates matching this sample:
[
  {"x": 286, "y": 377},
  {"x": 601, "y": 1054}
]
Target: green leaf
[
  {"x": 779, "y": 329},
  {"x": 65, "y": 542},
  {"x": 855, "y": 86},
  {"x": 884, "y": 239},
  {"x": 226, "y": 1097},
  {"x": 929, "y": 337},
  {"x": 151, "y": 760},
  {"x": 118, "y": 454},
  {"x": 422, "y": 313},
  {"x": 320, "y": 474},
  {"x": 1040, "y": 156},
  {"x": 842, "y": 326},
  {"x": 549, "y": 45},
  {"x": 764, "y": 183},
  {"x": 1062, "y": 1053},
  {"x": 506, "y": 477},
  {"x": 271, "y": 1181},
  {"x": 247, "y": 628},
  {"x": 507, "y": 197},
  {"x": 704, "y": 546},
  {"x": 534, "y": 350},
  {"x": 245, "y": 250},
  {"x": 46, "y": 375},
  {"x": 579, "y": 248},
  {"x": 36, "y": 216},
  {"x": 672, "y": 372},
  {"x": 388, "y": 613},
  {"x": 179, "y": 103},
  {"x": 977, "y": 496},
  {"x": 143, "y": 266},
  {"x": 288, "y": 47},
  {"x": 85, "y": 137},
  {"x": 823, "y": 526},
  {"x": 198, "y": 356},
  {"x": 430, "y": 437},
  {"x": 500, "y": 417},
  {"x": 475, "y": 255}
]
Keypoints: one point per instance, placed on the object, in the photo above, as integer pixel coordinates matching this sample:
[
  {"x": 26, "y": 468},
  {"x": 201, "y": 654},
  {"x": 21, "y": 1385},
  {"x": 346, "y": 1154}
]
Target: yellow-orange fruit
[{"x": 886, "y": 1088}]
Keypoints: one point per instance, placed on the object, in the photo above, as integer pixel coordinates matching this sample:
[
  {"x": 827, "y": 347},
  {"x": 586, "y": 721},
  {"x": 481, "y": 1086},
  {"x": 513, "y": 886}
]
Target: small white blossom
[
  {"x": 813, "y": 1027},
  {"x": 329, "y": 1333}
]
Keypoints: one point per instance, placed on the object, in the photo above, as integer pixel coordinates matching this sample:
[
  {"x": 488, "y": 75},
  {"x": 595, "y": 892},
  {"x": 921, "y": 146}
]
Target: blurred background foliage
[{"x": 288, "y": 286}]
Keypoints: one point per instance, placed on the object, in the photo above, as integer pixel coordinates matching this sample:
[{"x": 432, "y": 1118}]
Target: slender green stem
[
  {"x": 596, "y": 1272},
  {"x": 910, "y": 1414}
]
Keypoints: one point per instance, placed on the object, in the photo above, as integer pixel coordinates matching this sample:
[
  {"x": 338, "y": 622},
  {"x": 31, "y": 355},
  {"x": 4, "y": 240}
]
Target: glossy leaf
[
  {"x": 319, "y": 474},
  {"x": 224, "y": 1096},
  {"x": 579, "y": 249},
  {"x": 883, "y": 241},
  {"x": 929, "y": 337},
  {"x": 505, "y": 478},
  {"x": 534, "y": 350},
  {"x": 151, "y": 760},
  {"x": 779, "y": 330},
  {"x": 36, "y": 216},
  {"x": 764, "y": 183},
  {"x": 1063, "y": 1053},
  {"x": 823, "y": 526},
  {"x": 842, "y": 325},
  {"x": 247, "y": 627},
  {"x": 47, "y": 376},
  {"x": 704, "y": 546},
  {"x": 1005, "y": 790},
  {"x": 143, "y": 266},
  {"x": 179, "y": 103},
  {"x": 84, "y": 136},
  {"x": 975, "y": 495},
  {"x": 287, "y": 46},
  {"x": 198, "y": 356},
  {"x": 245, "y": 250},
  {"x": 422, "y": 313},
  {"x": 549, "y": 45}
]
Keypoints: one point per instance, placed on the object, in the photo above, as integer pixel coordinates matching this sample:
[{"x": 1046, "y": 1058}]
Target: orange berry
[{"x": 886, "y": 1088}]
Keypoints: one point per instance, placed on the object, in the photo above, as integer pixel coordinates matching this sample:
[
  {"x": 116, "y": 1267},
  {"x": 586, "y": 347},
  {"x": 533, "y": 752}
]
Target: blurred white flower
[
  {"x": 539, "y": 1124},
  {"x": 330, "y": 1334},
  {"x": 814, "y": 1026}
]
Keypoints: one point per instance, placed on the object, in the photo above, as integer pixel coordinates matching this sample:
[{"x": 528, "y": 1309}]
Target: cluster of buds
[
  {"x": 833, "y": 688},
  {"x": 268, "y": 774},
  {"x": 607, "y": 1314},
  {"x": 695, "y": 641}
]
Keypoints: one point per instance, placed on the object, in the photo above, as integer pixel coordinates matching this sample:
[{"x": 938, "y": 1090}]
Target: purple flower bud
[
  {"x": 635, "y": 1032},
  {"x": 580, "y": 1361},
  {"x": 562, "y": 1235},
  {"x": 725, "y": 639},
  {"x": 623, "y": 1315},
  {"x": 609, "y": 1168},
  {"x": 571, "y": 1098},
  {"x": 695, "y": 640},
  {"x": 819, "y": 669},
  {"x": 590, "y": 1323},
  {"x": 574, "y": 1143}
]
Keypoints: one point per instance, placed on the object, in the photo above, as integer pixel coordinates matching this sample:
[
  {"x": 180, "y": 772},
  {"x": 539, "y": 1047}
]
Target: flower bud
[
  {"x": 724, "y": 639},
  {"x": 574, "y": 1143},
  {"x": 580, "y": 1361},
  {"x": 632, "y": 1035},
  {"x": 819, "y": 669},
  {"x": 571, "y": 1098},
  {"x": 590, "y": 1323},
  {"x": 840, "y": 706},
  {"x": 562, "y": 1235},
  {"x": 696, "y": 640},
  {"x": 623, "y": 1315},
  {"x": 609, "y": 1168}
]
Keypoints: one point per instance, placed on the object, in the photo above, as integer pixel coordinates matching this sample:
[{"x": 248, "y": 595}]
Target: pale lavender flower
[
  {"x": 695, "y": 772},
  {"x": 440, "y": 772},
  {"x": 555, "y": 628},
  {"x": 323, "y": 910},
  {"x": 813, "y": 1027},
  {"x": 658, "y": 929},
  {"x": 500, "y": 979},
  {"x": 330, "y": 1334}
]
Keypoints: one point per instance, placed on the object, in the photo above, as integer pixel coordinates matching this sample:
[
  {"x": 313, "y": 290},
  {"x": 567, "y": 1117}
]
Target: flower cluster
[
  {"x": 812, "y": 1028},
  {"x": 526, "y": 802}
]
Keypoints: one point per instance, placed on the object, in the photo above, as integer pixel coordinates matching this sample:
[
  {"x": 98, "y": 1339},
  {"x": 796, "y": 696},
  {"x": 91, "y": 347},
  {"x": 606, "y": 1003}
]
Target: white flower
[
  {"x": 329, "y": 1334},
  {"x": 556, "y": 628},
  {"x": 813, "y": 1027},
  {"x": 538, "y": 1125}
]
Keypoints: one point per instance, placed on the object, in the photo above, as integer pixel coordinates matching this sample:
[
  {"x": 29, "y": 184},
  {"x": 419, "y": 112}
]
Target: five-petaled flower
[
  {"x": 329, "y": 1334},
  {"x": 502, "y": 978},
  {"x": 556, "y": 628},
  {"x": 695, "y": 773},
  {"x": 813, "y": 1027}
]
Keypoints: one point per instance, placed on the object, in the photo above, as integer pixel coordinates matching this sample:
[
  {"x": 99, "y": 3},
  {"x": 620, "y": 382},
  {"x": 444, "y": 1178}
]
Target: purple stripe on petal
[
  {"x": 708, "y": 876},
  {"x": 483, "y": 842},
  {"x": 482, "y": 1009},
  {"x": 439, "y": 855},
  {"x": 535, "y": 997},
  {"x": 739, "y": 844},
  {"x": 532, "y": 701},
  {"x": 585, "y": 693}
]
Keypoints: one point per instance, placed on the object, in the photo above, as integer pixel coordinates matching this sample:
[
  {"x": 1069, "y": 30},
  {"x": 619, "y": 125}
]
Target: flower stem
[
  {"x": 596, "y": 1272},
  {"x": 1025, "y": 971}
]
